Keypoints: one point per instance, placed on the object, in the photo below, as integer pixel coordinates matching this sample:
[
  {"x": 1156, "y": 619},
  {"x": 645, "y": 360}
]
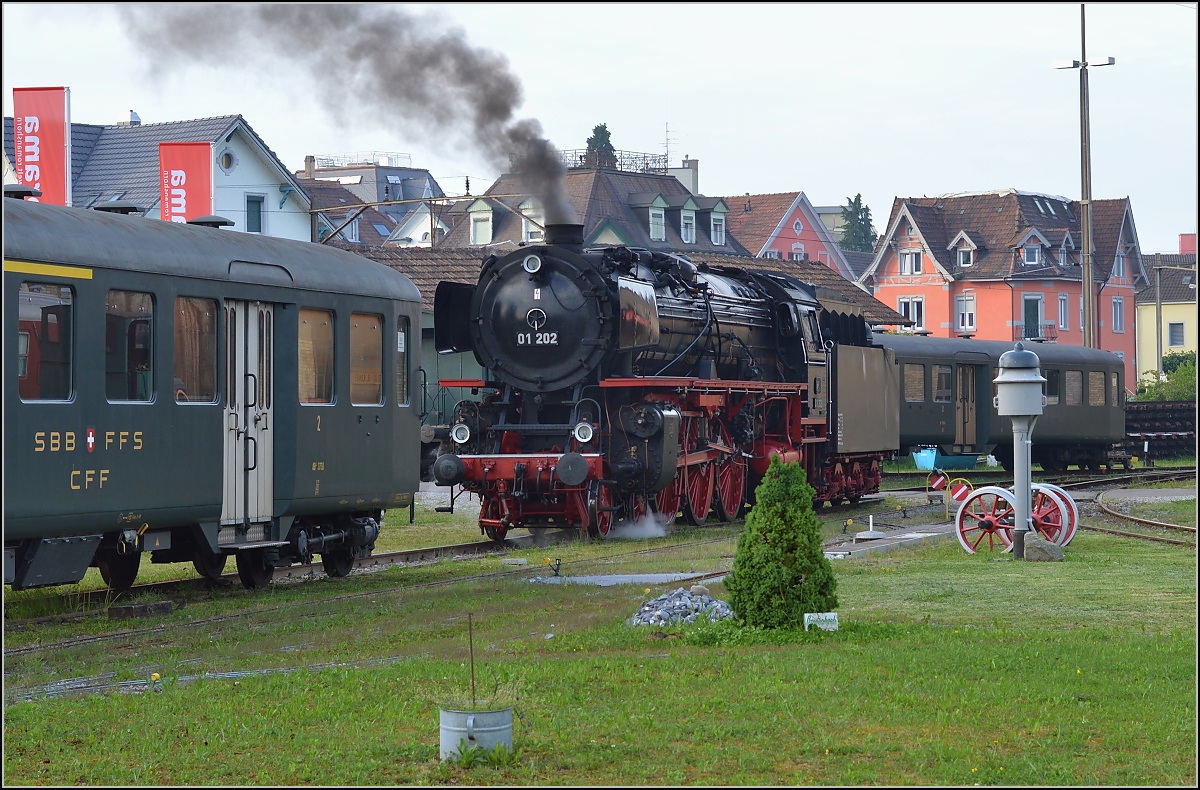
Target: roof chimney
[
  {"x": 133, "y": 119},
  {"x": 310, "y": 166}
]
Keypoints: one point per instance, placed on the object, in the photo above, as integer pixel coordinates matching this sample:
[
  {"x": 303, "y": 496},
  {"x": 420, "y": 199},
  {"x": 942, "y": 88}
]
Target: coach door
[
  {"x": 964, "y": 409},
  {"x": 248, "y": 381}
]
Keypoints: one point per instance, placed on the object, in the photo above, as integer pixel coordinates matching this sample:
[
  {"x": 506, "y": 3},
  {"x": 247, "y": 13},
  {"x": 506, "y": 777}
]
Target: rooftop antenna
[{"x": 667, "y": 142}]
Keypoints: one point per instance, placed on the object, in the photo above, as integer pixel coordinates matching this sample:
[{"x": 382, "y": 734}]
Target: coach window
[
  {"x": 1074, "y": 388},
  {"x": 366, "y": 359},
  {"x": 46, "y": 342},
  {"x": 195, "y": 350},
  {"x": 914, "y": 383},
  {"x": 1053, "y": 386},
  {"x": 128, "y": 346},
  {"x": 942, "y": 376},
  {"x": 1114, "y": 391},
  {"x": 315, "y": 356},
  {"x": 402, "y": 360},
  {"x": 1095, "y": 387}
]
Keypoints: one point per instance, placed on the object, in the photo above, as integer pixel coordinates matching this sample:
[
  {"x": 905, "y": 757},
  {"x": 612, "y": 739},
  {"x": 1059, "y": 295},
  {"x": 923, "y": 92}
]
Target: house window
[
  {"x": 254, "y": 213},
  {"x": 798, "y": 227},
  {"x": 965, "y": 257},
  {"x": 1050, "y": 206},
  {"x": 913, "y": 308},
  {"x": 658, "y": 225},
  {"x": 718, "y": 231},
  {"x": 910, "y": 263},
  {"x": 773, "y": 254},
  {"x": 1063, "y": 323},
  {"x": 798, "y": 253},
  {"x": 1175, "y": 333},
  {"x": 687, "y": 227},
  {"x": 1033, "y": 255},
  {"x": 350, "y": 232},
  {"x": 1118, "y": 314},
  {"x": 481, "y": 228},
  {"x": 1119, "y": 265},
  {"x": 1081, "y": 312},
  {"x": 964, "y": 307}
]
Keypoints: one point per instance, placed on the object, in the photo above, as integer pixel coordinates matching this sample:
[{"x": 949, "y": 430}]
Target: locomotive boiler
[{"x": 621, "y": 382}]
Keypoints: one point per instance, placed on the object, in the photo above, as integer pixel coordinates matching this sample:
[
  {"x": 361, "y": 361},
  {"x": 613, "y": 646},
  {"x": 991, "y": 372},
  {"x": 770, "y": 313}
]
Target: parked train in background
[
  {"x": 621, "y": 382},
  {"x": 191, "y": 393},
  {"x": 947, "y": 402}
]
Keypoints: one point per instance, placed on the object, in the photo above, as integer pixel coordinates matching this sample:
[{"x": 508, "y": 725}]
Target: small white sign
[
  {"x": 399, "y": 342},
  {"x": 826, "y": 621}
]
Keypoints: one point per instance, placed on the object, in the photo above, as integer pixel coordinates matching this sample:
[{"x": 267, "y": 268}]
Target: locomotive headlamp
[
  {"x": 460, "y": 433},
  {"x": 584, "y": 432},
  {"x": 532, "y": 264}
]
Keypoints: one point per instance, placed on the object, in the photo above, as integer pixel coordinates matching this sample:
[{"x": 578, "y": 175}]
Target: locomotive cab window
[
  {"x": 366, "y": 359},
  {"x": 128, "y": 346},
  {"x": 402, "y": 361},
  {"x": 315, "y": 356},
  {"x": 46, "y": 342},
  {"x": 195, "y": 350},
  {"x": 914, "y": 383}
]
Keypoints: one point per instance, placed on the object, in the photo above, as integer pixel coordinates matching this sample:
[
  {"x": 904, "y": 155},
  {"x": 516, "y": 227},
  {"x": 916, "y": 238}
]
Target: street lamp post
[{"x": 1085, "y": 203}]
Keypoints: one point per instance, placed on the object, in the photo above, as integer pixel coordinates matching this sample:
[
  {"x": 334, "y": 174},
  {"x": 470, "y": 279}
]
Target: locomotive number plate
[{"x": 537, "y": 338}]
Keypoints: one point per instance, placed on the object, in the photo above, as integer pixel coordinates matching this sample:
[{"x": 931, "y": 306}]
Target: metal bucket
[{"x": 482, "y": 728}]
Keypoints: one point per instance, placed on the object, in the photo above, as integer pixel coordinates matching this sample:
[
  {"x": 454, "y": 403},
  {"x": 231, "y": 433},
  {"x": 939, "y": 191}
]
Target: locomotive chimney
[{"x": 569, "y": 235}]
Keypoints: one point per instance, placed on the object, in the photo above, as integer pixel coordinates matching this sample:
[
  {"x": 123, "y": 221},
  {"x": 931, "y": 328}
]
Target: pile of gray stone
[{"x": 681, "y": 606}]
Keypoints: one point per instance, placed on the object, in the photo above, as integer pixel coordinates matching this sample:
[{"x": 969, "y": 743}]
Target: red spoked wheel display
[
  {"x": 698, "y": 480},
  {"x": 1072, "y": 509},
  {"x": 730, "y": 495},
  {"x": 1050, "y": 515},
  {"x": 986, "y": 518}
]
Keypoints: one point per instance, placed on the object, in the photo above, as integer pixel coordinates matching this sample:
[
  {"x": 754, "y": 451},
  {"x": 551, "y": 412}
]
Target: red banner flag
[
  {"x": 42, "y": 141},
  {"x": 186, "y": 181}
]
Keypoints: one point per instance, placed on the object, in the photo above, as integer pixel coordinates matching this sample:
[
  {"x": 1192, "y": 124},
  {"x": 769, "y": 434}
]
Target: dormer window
[
  {"x": 1033, "y": 255},
  {"x": 687, "y": 227},
  {"x": 718, "y": 230},
  {"x": 658, "y": 225},
  {"x": 533, "y": 217},
  {"x": 965, "y": 257}
]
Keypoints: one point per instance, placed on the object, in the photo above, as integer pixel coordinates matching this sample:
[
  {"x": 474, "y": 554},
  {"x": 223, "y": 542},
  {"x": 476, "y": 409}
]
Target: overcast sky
[{"x": 884, "y": 100}]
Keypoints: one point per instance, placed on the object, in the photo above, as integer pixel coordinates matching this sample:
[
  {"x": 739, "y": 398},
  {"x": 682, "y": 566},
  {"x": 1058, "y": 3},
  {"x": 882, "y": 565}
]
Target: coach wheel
[
  {"x": 119, "y": 570},
  {"x": 731, "y": 479},
  {"x": 1072, "y": 509},
  {"x": 1050, "y": 515},
  {"x": 337, "y": 563},
  {"x": 209, "y": 565},
  {"x": 698, "y": 486},
  {"x": 495, "y": 533},
  {"x": 599, "y": 509},
  {"x": 986, "y": 515},
  {"x": 253, "y": 569},
  {"x": 666, "y": 502}
]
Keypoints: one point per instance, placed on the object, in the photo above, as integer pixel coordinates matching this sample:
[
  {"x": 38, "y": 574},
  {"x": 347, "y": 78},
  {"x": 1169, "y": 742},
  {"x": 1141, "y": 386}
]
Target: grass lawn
[{"x": 948, "y": 668}]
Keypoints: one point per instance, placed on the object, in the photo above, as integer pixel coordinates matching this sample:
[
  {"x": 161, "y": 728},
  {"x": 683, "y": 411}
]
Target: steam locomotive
[{"x": 621, "y": 383}]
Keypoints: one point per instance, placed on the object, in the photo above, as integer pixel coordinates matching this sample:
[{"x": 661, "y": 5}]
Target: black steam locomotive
[{"x": 622, "y": 382}]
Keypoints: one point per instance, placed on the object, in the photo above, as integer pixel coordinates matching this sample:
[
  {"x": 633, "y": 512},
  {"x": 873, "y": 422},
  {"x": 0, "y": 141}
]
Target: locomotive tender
[
  {"x": 191, "y": 393},
  {"x": 623, "y": 382}
]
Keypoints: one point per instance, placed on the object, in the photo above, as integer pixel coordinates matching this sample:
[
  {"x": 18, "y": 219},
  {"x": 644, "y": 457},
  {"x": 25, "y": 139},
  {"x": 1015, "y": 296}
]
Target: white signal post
[{"x": 1019, "y": 396}]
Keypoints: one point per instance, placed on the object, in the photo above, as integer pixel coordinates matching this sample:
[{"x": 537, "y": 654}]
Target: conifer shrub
[{"x": 780, "y": 570}]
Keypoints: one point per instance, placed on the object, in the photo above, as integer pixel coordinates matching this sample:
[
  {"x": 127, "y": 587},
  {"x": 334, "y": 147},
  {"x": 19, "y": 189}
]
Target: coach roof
[{"x": 80, "y": 237}]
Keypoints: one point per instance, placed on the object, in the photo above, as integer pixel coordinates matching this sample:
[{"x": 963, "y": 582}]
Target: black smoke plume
[{"x": 370, "y": 64}]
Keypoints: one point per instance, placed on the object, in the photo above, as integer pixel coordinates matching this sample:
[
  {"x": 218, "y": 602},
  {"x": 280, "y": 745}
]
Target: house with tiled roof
[
  {"x": 1171, "y": 291},
  {"x": 785, "y": 226},
  {"x": 1006, "y": 265},
  {"x": 651, "y": 210},
  {"x": 251, "y": 186},
  {"x": 406, "y": 195},
  {"x": 340, "y": 213}
]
